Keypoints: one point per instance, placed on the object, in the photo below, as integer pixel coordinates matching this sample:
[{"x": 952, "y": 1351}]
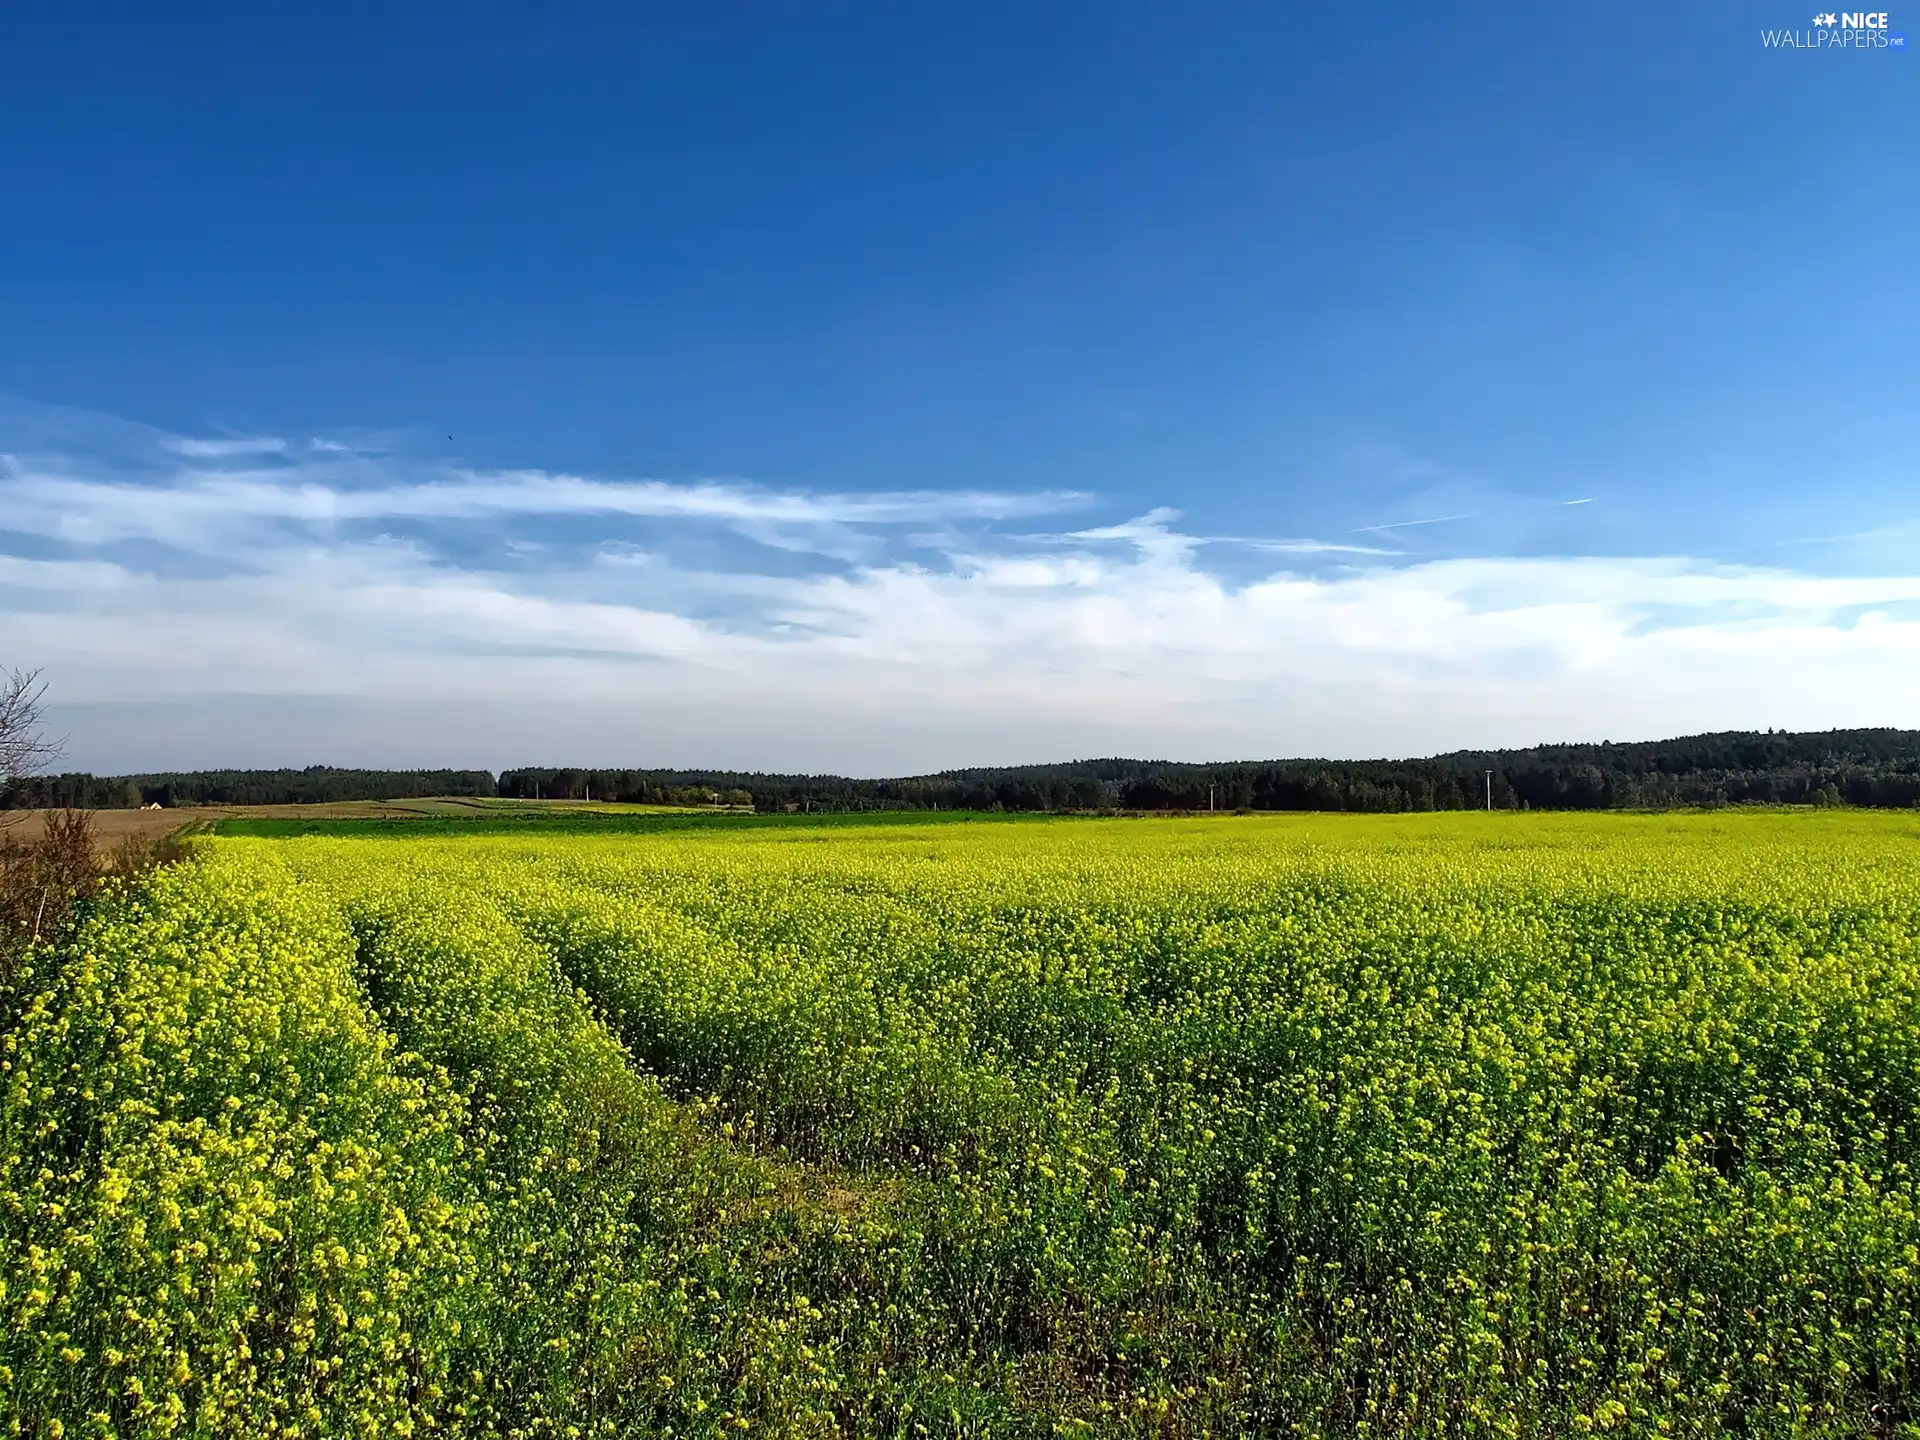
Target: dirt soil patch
[{"x": 111, "y": 826}]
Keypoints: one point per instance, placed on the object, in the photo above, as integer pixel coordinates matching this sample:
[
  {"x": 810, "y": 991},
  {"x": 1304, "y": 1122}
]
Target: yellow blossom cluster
[{"x": 226, "y": 1205}]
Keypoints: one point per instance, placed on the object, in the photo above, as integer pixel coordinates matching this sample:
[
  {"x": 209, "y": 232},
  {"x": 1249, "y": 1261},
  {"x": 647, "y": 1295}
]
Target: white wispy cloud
[
  {"x": 1410, "y": 524},
  {"x": 87, "y": 510},
  {"x": 1299, "y": 547},
  {"x": 220, "y": 449},
  {"x": 869, "y": 648}
]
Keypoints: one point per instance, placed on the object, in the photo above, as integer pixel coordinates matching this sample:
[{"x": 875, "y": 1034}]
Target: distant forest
[
  {"x": 314, "y": 785},
  {"x": 1836, "y": 767}
]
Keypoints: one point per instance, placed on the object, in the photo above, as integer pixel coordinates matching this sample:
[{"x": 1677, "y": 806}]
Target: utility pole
[
  {"x": 1489, "y": 792},
  {"x": 1209, "y": 797}
]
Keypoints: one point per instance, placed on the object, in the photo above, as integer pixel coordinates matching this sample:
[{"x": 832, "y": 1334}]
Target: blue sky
[{"x": 891, "y": 387}]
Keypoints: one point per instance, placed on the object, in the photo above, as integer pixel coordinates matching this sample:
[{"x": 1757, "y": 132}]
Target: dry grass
[
  {"x": 112, "y": 826},
  {"x": 109, "y": 826}
]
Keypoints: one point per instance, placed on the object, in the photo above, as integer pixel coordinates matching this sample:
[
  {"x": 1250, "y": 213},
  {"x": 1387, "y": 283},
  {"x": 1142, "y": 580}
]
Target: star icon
[{"x": 1827, "y": 19}]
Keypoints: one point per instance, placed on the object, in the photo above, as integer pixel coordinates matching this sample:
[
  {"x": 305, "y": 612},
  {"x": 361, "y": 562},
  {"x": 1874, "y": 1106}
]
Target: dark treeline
[
  {"x": 314, "y": 785},
  {"x": 651, "y": 787},
  {"x": 1850, "y": 767},
  {"x": 1838, "y": 767},
  {"x": 1076, "y": 785}
]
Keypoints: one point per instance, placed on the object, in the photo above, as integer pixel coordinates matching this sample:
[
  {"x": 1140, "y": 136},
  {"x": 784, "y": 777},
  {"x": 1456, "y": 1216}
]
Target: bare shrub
[
  {"x": 41, "y": 881},
  {"x": 137, "y": 854}
]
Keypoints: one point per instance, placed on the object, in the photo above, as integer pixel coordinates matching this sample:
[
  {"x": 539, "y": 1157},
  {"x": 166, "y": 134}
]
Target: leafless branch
[{"x": 24, "y": 749}]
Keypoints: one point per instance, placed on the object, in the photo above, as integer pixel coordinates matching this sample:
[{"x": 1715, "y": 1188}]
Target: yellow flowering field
[{"x": 1445, "y": 1125}]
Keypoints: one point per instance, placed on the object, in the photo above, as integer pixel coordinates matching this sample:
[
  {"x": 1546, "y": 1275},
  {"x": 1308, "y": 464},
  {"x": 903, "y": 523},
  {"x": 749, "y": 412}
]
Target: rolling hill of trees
[
  {"x": 1836, "y": 767},
  {"x": 1851, "y": 767}
]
